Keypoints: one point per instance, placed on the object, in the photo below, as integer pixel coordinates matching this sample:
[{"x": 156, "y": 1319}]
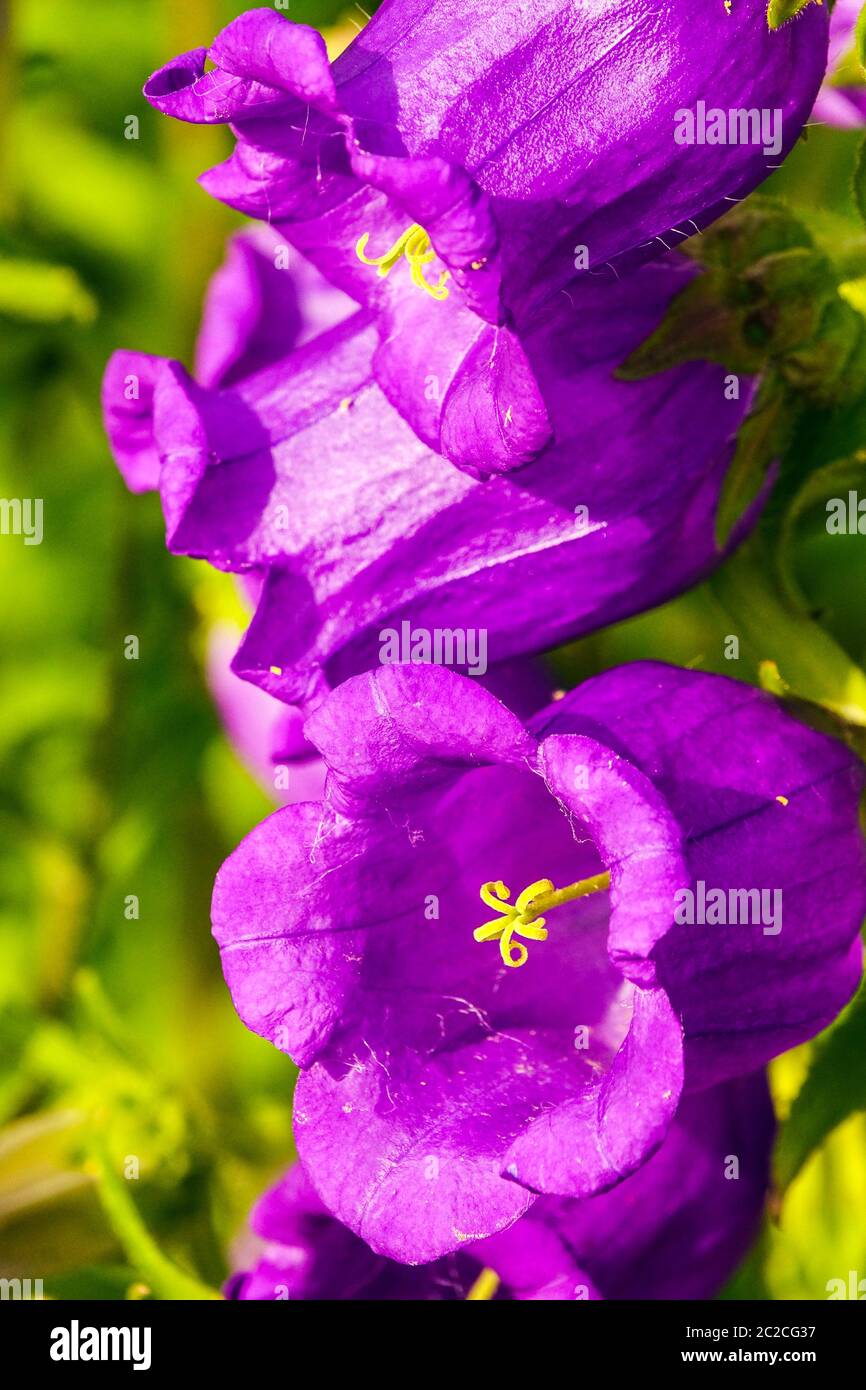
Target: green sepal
[
  {"x": 831, "y": 369},
  {"x": 700, "y": 325},
  {"x": 779, "y": 12},
  {"x": 833, "y": 477},
  {"x": 763, "y": 438}
]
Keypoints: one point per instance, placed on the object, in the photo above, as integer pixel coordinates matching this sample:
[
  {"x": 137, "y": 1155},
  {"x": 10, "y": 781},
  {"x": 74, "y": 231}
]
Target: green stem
[
  {"x": 156, "y": 1270},
  {"x": 811, "y": 663}
]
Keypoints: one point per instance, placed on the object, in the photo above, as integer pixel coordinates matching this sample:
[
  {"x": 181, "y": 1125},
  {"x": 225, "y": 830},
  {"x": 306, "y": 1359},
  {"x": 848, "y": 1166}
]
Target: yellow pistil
[
  {"x": 524, "y": 916},
  {"x": 414, "y": 244},
  {"x": 484, "y": 1288}
]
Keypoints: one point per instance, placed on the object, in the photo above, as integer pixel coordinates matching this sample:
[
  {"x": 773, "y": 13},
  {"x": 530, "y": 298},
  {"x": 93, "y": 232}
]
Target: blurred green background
[{"x": 119, "y": 1047}]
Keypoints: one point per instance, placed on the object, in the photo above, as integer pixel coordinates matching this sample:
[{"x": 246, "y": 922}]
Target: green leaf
[
  {"x": 43, "y": 293},
  {"x": 848, "y": 72},
  {"x": 860, "y": 180},
  {"x": 91, "y": 191},
  {"x": 835, "y": 1088},
  {"x": 780, "y": 11},
  {"x": 155, "y": 1269},
  {"x": 860, "y": 38}
]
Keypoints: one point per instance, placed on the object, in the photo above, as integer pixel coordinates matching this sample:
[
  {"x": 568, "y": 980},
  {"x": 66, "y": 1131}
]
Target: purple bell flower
[
  {"x": 305, "y": 475},
  {"x": 675, "y": 1229},
  {"x": 486, "y": 153},
  {"x": 536, "y": 1041},
  {"x": 266, "y": 734}
]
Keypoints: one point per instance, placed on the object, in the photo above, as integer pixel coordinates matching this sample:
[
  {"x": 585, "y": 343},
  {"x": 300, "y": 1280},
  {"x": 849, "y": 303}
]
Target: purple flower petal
[
  {"x": 274, "y": 903},
  {"x": 304, "y": 470},
  {"x": 767, "y": 804},
  {"x": 290, "y": 57},
  {"x": 265, "y": 732},
  {"x": 440, "y": 1090},
  {"x": 548, "y": 112},
  {"x": 264, "y": 301},
  {"x": 675, "y": 1229},
  {"x": 518, "y": 141},
  {"x": 427, "y": 1023},
  {"x": 127, "y": 407}
]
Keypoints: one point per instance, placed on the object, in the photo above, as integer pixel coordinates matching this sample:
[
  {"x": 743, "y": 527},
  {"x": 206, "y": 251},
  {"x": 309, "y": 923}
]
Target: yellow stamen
[
  {"x": 524, "y": 916},
  {"x": 484, "y": 1288},
  {"x": 414, "y": 244}
]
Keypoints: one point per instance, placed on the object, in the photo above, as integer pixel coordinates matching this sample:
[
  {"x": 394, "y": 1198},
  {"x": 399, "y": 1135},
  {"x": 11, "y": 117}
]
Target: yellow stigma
[
  {"x": 414, "y": 244},
  {"x": 485, "y": 1287},
  {"x": 524, "y": 917}
]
